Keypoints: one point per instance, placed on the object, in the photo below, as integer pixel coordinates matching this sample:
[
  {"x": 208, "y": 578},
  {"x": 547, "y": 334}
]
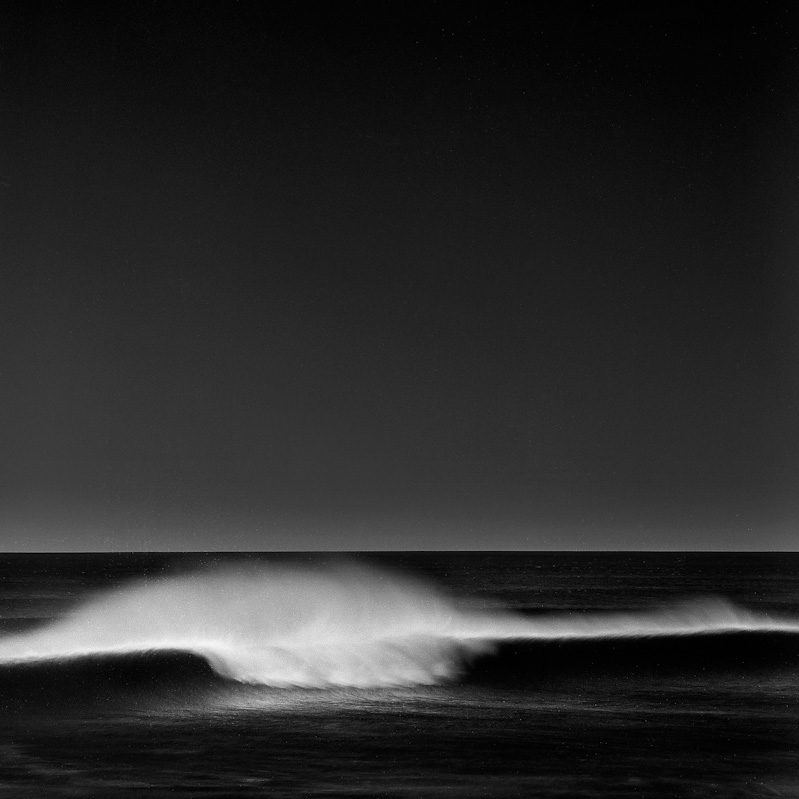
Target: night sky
[{"x": 397, "y": 276}]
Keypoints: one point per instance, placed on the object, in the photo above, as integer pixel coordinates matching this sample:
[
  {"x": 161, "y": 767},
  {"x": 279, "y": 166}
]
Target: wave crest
[
  {"x": 334, "y": 625},
  {"x": 341, "y": 624}
]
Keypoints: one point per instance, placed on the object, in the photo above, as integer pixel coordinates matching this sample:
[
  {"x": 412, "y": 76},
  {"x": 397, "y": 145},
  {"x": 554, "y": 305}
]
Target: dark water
[{"x": 402, "y": 675}]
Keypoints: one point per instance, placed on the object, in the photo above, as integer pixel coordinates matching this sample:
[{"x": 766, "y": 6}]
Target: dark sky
[{"x": 395, "y": 276}]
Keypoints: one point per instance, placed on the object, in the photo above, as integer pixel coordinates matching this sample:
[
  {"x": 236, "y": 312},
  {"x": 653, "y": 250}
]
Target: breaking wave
[{"x": 341, "y": 625}]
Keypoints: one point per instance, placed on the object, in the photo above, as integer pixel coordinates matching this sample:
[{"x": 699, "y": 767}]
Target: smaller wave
[
  {"x": 346, "y": 625},
  {"x": 698, "y": 616}
]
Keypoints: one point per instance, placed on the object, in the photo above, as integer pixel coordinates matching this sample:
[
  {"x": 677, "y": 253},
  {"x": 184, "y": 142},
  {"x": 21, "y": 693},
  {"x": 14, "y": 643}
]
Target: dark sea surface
[{"x": 400, "y": 675}]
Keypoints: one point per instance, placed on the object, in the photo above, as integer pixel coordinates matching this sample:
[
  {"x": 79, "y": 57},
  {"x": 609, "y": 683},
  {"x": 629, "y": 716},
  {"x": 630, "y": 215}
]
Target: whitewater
[{"x": 338, "y": 624}]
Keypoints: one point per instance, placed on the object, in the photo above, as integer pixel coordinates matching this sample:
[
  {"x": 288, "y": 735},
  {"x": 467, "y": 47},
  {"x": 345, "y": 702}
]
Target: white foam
[{"x": 338, "y": 625}]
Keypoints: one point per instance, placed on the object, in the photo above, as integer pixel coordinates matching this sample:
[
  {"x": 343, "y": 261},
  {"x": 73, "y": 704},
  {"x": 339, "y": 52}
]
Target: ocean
[{"x": 480, "y": 674}]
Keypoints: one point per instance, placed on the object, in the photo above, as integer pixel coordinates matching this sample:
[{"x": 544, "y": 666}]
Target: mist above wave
[{"x": 340, "y": 624}]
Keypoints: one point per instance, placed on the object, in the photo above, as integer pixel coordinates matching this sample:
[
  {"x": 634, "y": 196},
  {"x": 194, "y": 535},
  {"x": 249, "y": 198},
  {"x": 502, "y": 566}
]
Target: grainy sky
[{"x": 396, "y": 276}]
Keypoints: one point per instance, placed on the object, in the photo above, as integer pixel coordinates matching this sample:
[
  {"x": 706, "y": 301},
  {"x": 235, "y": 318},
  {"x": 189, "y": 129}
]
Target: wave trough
[{"x": 335, "y": 625}]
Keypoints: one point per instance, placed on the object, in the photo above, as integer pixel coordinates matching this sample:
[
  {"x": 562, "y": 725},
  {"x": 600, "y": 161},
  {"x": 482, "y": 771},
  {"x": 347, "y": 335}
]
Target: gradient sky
[{"x": 398, "y": 277}]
